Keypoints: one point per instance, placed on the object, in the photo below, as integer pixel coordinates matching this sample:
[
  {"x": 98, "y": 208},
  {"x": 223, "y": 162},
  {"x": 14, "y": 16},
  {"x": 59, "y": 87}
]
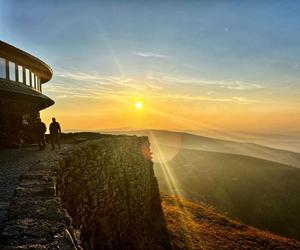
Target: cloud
[
  {"x": 184, "y": 97},
  {"x": 149, "y": 54},
  {"x": 229, "y": 84},
  {"x": 153, "y": 87},
  {"x": 81, "y": 76},
  {"x": 67, "y": 84},
  {"x": 240, "y": 85},
  {"x": 99, "y": 81},
  {"x": 243, "y": 100}
]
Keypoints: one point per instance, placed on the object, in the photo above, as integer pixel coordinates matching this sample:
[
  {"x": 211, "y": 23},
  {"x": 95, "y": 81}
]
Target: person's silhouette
[
  {"x": 40, "y": 130},
  {"x": 55, "y": 131}
]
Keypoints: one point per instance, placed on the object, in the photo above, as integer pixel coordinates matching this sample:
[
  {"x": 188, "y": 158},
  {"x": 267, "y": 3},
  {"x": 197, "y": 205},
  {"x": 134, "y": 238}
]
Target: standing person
[
  {"x": 54, "y": 133},
  {"x": 40, "y": 130}
]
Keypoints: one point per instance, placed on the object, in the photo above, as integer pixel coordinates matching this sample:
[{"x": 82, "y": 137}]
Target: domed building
[{"x": 21, "y": 78}]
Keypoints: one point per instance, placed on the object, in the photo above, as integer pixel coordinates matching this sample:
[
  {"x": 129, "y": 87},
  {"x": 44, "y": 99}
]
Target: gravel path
[{"x": 14, "y": 163}]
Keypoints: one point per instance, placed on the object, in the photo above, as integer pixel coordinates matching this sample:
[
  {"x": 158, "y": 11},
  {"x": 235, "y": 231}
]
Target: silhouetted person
[
  {"x": 54, "y": 133},
  {"x": 40, "y": 130}
]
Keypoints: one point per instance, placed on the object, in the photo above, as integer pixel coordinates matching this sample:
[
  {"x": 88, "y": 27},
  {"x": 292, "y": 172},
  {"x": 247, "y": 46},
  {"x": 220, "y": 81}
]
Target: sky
[{"x": 195, "y": 65}]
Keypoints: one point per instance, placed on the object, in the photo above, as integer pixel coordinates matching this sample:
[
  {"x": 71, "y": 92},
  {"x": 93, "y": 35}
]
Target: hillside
[
  {"x": 261, "y": 193},
  {"x": 190, "y": 141},
  {"x": 197, "y": 226}
]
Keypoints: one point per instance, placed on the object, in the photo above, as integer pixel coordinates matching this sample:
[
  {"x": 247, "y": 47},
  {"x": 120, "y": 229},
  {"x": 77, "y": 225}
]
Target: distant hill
[
  {"x": 283, "y": 140},
  {"x": 197, "y": 226},
  {"x": 190, "y": 141}
]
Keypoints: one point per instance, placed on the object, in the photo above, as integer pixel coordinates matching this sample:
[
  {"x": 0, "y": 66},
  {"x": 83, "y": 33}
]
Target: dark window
[
  {"x": 39, "y": 85},
  {"x": 2, "y": 68}
]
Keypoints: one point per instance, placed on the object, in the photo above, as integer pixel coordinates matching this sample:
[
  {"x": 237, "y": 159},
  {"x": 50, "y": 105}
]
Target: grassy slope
[
  {"x": 197, "y": 226},
  {"x": 261, "y": 193}
]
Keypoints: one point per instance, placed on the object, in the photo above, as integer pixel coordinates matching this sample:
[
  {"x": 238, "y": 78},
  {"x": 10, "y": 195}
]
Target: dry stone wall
[
  {"x": 99, "y": 194},
  {"x": 37, "y": 219},
  {"x": 109, "y": 189}
]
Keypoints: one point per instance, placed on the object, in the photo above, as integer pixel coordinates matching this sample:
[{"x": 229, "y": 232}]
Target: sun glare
[{"x": 138, "y": 105}]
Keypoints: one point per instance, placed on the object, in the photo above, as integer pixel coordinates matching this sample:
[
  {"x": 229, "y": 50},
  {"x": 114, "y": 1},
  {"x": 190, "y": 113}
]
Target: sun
[{"x": 138, "y": 105}]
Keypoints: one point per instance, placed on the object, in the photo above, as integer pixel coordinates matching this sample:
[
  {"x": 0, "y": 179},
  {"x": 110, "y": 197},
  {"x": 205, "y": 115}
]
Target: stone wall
[
  {"x": 109, "y": 189},
  {"x": 99, "y": 194},
  {"x": 37, "y": 219}
]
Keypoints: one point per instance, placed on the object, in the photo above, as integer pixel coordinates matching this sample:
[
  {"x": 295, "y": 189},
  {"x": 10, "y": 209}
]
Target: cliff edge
[{"x": 109, "y": 189}]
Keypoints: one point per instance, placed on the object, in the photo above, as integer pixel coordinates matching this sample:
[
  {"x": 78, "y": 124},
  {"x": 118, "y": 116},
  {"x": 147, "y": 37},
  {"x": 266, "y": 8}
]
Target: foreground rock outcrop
[
  {"x": 100, "y": 194},
  {"x": 109, "y": 189}
]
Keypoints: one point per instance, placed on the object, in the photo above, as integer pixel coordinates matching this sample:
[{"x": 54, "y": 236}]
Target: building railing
[{"x": 15, "y": 72}]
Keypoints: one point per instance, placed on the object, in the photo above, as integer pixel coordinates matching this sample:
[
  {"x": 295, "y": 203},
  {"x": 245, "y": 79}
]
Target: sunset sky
[{"x": 194, "y": 65}]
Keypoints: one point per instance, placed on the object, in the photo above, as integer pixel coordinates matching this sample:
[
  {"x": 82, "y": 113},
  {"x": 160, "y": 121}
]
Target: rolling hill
[
  {"x": 258, "y": 192},
  {"x": 198, "y": 226},
  {"x": 190, "y": 141}
]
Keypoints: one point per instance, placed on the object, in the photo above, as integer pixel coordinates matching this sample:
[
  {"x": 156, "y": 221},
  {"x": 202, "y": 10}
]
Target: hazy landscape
[
  {"x": 280, "y": 140},
  {"x": 255, "y": 184}
]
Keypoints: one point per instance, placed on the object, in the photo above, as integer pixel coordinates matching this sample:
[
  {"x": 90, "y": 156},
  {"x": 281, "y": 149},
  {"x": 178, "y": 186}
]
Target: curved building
[{"x": 21, "y": 78}]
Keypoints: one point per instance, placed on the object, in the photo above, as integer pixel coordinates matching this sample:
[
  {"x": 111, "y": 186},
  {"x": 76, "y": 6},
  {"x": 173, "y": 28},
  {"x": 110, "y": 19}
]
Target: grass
[
  {"x": 198, "y": 226},
  {"x": 257, "y": 192}
]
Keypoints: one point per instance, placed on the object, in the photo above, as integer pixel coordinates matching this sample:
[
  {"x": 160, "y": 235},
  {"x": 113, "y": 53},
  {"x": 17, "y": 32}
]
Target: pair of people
[{"x": 40, "y": 130}]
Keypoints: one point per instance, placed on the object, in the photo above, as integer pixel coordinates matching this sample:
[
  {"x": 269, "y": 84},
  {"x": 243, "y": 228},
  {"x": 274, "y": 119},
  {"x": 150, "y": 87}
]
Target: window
[
  {"x": 36, "y": 83},
  {"x": 39, "y": 85},
  {"x": 27, "y": 77},
  {"x": 32, "y": 80},
  {"x": 2, "y": 68},
  {"x": 20, "y": 73},
  {"x": 12, "y": 71}
]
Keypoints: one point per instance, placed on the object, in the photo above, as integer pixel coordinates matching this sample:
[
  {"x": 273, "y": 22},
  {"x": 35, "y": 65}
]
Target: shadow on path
[{"x": 13, "y": 164}]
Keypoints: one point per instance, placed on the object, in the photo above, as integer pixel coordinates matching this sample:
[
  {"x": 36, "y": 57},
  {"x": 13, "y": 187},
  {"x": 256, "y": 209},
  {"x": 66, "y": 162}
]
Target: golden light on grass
[{"x": 139, "y": 105}]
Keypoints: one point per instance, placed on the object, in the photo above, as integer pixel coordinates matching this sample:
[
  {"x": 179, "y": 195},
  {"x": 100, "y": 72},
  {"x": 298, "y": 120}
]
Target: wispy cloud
[
  {"x": 180, "y": 97},
  {"x": 95, "y": 86},
  {"x": 229, "y": 84},
  {"x": 149, "y": 54},
  {"x": 240, "y": 85},
  {"x": 243, "y": 100},
  {"x": 99, "y": 81}
]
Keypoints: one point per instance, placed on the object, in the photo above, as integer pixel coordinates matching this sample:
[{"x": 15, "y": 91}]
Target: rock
[
  {"x": 107, "y": 186},
  {"x": 111, "y": 194}
]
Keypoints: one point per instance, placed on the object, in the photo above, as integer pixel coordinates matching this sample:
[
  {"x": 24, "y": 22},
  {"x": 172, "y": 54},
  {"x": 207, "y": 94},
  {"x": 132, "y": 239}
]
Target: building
[{"x": 21, "y": 78}]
